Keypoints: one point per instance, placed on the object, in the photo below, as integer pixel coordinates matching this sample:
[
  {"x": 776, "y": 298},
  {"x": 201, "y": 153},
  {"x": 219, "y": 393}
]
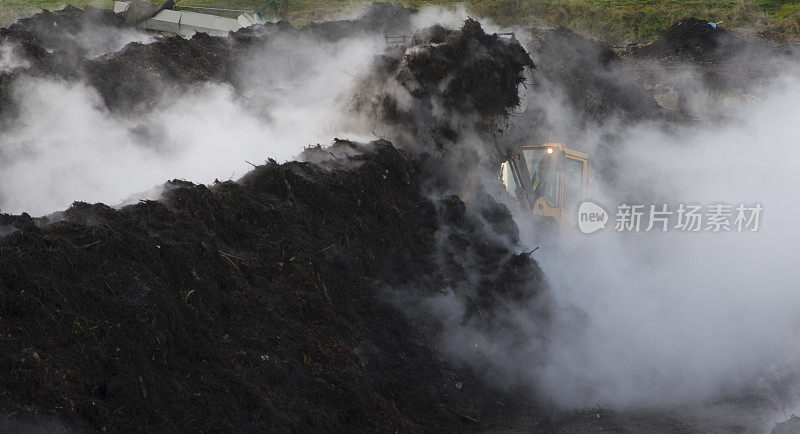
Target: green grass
[{"x": 617, "y": 21}]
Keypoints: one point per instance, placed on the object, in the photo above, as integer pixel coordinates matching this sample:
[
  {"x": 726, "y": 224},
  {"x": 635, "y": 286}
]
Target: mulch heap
[
  {"x": 444, "y": 95},
  {"x": 261, "y": 304},
  {"x": 55, "y": 31},
  {"x": 465, "y": 71},
  {"x": 688, "y": 38},
  {"x": 591, "y": 75},
  {"x": 139, "y": 75},
  {"x": 696, "y": 39},
  {"x": 249, "y": 305},
  {"x": 719, "y": 59}
]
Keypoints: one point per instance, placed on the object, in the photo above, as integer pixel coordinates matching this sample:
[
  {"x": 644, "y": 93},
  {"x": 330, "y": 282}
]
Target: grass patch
[{"x": 617, "y": 21}]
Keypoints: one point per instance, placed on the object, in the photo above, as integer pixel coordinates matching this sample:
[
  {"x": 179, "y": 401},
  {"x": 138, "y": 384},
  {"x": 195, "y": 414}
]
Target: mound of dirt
[
  {"x": 250, "y": 305},
  {"x": 54, "y": 43},
  {"x": 134, "y": 78},
  {"x": 58, "y": 30},
  {"x": 591, "y": 75},
  {"x": 266, "y": 304},
  {"x": 137, "y": 77},
  {"x": 443, "y": 87},
  {"x": 697, "y": 70},
  {"x": 690, "y": 37},
  {"x": 464, "y": 71},
  {"x": 386, "y": 18},
  {"x": 467, "y": 70},
  {"x": 697, "y": 40}
]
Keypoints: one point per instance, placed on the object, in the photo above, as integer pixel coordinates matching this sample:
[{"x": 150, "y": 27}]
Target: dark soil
[
  {"x": 592, "y": 75},
  {"x": 386, "y": 18},
  {"x": 248, "y": 305},
  {"x": 139, "y": 75},
  {"x": 726, "y": 60},
  {"x": 690, "y": 37},
  {"x": 461, "y": 83},
  {"x": 470, "y": 65},
  {"x": 47, "y": 41},
  {"x": 54, "y": 31},
  {"x": 262, "y": 304},
  {"x": 695, "y": 39}
]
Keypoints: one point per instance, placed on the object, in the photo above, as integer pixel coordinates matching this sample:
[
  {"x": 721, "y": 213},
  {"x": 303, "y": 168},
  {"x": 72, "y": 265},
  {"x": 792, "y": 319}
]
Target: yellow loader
[{"x": 550, "y": 180}]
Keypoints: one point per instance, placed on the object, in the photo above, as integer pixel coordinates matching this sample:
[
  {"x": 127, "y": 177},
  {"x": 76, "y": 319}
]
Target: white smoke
[
  {"x": 9, "y": 60},
  {"x": 96, "y": 42},
  {"x": 650, "y": 321},
  {"x": 684, "y": 318},
  {"x": 669, "y": 319},
  {"x": 66, "y": 146}
]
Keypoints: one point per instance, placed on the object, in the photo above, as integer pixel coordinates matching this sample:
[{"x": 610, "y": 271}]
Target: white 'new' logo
[{"x": 591, "y": 217}]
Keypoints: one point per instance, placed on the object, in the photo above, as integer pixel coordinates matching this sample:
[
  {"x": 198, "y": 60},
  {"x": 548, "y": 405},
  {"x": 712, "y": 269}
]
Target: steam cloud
[
  {"x": 645, "y": 320},
  {"x": 679, "y": 319},
  {"x": 676, "y": 318},
  {"x": 65, "y": 145}
]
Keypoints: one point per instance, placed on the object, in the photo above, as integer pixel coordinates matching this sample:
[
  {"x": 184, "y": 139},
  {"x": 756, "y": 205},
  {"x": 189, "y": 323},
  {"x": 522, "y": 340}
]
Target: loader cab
[{"x": 559, "y": 180}]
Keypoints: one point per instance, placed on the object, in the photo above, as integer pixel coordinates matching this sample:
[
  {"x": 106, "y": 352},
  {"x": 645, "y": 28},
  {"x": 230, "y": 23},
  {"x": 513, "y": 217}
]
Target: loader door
[
  {"x": 558, "y": 182},
  {"x": 573, "y": 183},
  {"x": 576, "y": 174},
  {"x": 547, "y": 176}
]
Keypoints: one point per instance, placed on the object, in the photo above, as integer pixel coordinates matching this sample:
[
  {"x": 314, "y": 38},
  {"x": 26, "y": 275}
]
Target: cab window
[
  {"x": 544, "y": 174},
  {"x": 508, "y": 180},
  {"x": 573, "y": 183}
]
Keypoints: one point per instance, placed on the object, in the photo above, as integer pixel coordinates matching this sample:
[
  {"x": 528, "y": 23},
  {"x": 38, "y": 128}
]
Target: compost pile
[
  {"x": 697, "y": 40},
  {"x": 140, "y": 75},
  {"x": 246, "y": 305},
  {"x": 713, "y": 59},
  {"x": 136, "y": 77},
  {"x": 293, "y": 300},
  {"x": 690, "y": 37},
  {"x": 265, "y": 304},
  {"x": 58, "y": 32},
  {"x": 387, "y": 18},
  {"x": 54, "y": 44},
  {"x": 443, "y": 95},
  {"x": 460, "y": 70},
  {"x": 591, "y": 75}
]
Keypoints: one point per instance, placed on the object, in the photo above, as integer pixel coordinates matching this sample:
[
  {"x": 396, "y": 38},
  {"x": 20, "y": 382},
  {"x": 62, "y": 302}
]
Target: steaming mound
[
  {"x": 466, "y": 71},
  {"x": 134, "y": 78},
  {"x": 591, "y": 75},
  {"x": 252, "y": 305},
  {"x": 378, "y": 17},
  {"x": 268, "y": 304},
  {"x": 443, "y": 92},
  {"x": 59, "y": 30},
  {"x": 690, "y": 37},
  {"x": 139, "y": 73},
  {"x": 696, "y": 39},
  {"x": 55, "y": 43},
  {"x": 716, "y": 64}
]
